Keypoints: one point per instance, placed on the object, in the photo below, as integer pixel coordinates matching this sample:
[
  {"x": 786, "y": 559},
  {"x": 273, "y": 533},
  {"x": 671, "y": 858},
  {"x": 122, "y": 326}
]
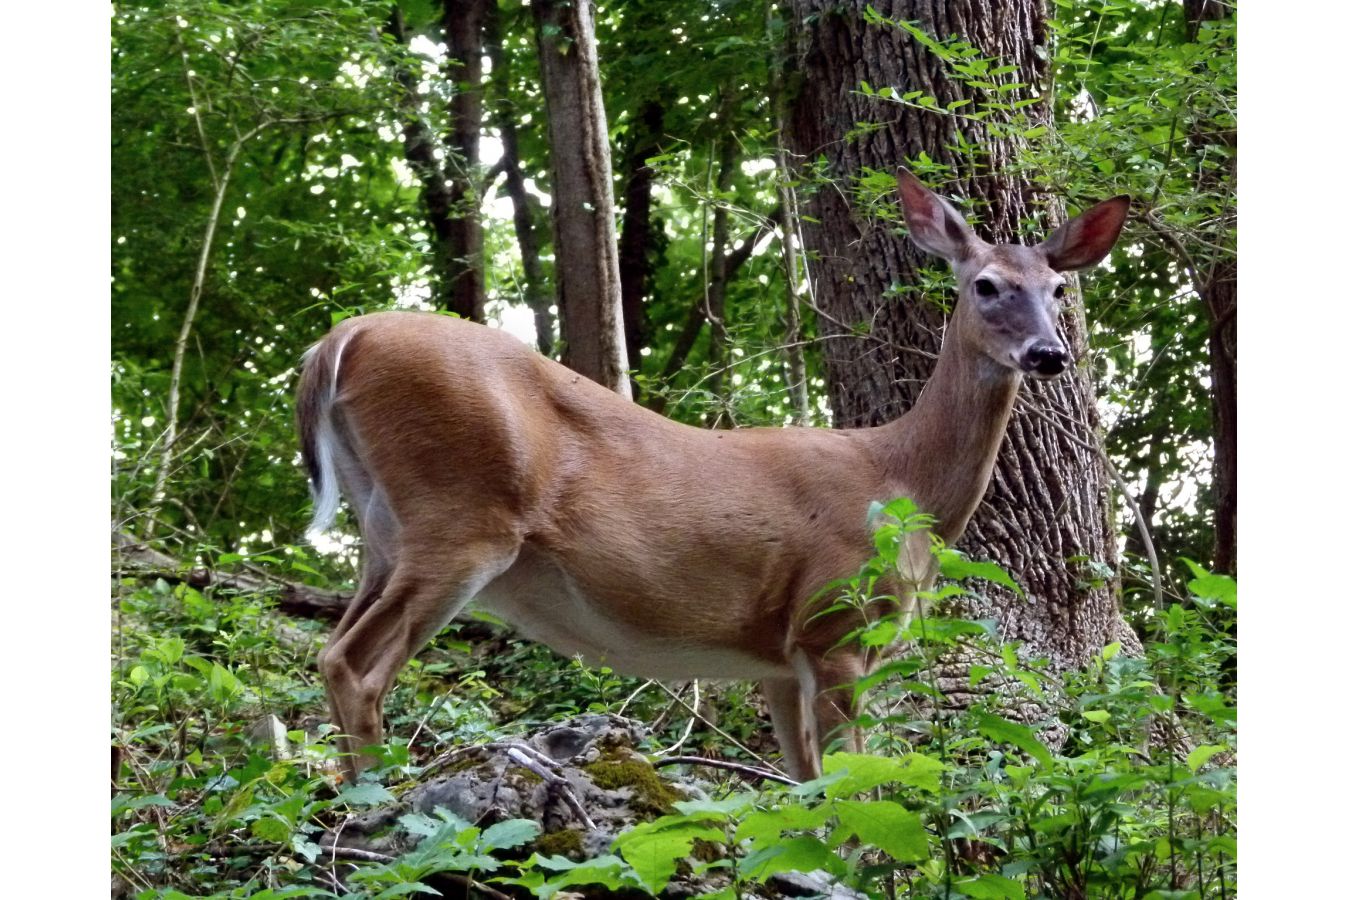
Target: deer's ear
[
  {"x": 1085, "y": 239},
  {"x": 933, "y": 223}
]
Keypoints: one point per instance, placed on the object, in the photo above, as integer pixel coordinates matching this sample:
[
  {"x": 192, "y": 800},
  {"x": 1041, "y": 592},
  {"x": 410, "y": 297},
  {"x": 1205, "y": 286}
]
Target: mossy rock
[
  {"x": 566, "y": 842},
  {"x": 616, "y": 770}
]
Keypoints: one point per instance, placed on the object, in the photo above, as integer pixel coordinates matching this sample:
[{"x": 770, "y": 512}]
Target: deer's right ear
[{"x": 934, "y": 224}]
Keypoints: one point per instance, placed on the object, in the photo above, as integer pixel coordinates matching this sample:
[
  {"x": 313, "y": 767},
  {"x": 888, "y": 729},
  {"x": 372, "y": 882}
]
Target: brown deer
[{"x": 477, "y": 468}]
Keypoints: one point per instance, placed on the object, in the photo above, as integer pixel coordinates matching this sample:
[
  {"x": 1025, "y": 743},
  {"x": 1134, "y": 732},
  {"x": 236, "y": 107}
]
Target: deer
[{"x": 478, "y": 469}]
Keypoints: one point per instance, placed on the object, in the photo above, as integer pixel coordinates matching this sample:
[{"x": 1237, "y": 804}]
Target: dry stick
[
  {"x": 554, "y": 780},
  {"x": 752, "y": 771},
  {"x": 688, "y": 729},
  {"x": 735, "y": 743}
]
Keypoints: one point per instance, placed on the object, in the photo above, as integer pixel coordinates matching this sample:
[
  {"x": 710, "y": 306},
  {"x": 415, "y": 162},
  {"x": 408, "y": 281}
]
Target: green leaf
[
  {"x": 885, "y": 825},
  {"x": 992, "y": 887},
  {"x": 654, "y": 849},
  {"x": 271, "y": 829},
  {"x": 999, "y": 729},
  {"x": 511, "y": 833},
  {"x": 1209, "y": 586},
  {"x": 770, "y": 824},
  {"x": 365, "y": 793},
  {"x": 865, "y": 772},
  {"x": 956, "y": 566},
  {"x": 1201, "y": 755},
  {"x": 1096, "y": 715},
  {"x": 799, "y": 854}
]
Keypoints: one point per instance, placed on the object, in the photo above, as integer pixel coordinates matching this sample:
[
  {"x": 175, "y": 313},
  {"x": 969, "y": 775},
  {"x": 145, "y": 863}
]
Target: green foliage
[
  {"x": 320, "y": 220},
  {"x": 1139, "y": 797}
]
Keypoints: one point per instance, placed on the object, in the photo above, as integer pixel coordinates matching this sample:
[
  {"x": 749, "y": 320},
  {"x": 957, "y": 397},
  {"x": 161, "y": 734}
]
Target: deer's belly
[{"x": 545, "y": 604}]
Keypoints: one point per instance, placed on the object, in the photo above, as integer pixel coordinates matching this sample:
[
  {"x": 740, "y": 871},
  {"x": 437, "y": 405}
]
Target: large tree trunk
[
  {"x": 586, "y": 270},
  {"x": 1218, "y": 290},
  {"x": 1047, "y": 514}
]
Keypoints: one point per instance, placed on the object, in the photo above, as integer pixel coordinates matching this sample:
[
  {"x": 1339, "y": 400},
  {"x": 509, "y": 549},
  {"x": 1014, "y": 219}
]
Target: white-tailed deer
[{"x": 478, "y": 468}]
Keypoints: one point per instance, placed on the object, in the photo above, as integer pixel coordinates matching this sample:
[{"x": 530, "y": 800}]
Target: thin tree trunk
[
  {"x": 523, "y": 205},
  {"x": 463, "y": 23},
  {"x": 419, "y": 148},
  {"x": 693, "y": 323},
  {"x": 222, "y": 185},
  {"x": 1047, "y": 514},
  {"x": 635, "y": 240},
  {"x": 717, "y": 271},
  {"x": 1218, "y": 291},
  {"x": 585, "y": 247},
  {"x": 787, "y": 200}
]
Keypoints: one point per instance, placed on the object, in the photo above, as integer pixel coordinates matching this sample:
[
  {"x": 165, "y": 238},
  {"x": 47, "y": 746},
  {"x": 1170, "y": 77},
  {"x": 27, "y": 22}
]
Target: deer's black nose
[{"x": 1045, "y": 360}]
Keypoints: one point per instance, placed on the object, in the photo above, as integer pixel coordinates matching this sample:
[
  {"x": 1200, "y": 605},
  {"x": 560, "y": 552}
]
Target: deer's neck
[{"x": 942, "y": 451}]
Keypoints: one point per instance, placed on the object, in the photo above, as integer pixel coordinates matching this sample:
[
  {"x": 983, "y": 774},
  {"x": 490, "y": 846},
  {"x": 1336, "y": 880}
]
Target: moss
[
  {"x": 566, "y": 842},
  {"x": 523, "y": 774},
  {"x": 651, "y": 795}
]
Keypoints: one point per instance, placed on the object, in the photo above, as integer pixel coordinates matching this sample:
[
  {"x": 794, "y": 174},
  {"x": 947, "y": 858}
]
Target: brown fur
[{"x": 478, "y": 467}]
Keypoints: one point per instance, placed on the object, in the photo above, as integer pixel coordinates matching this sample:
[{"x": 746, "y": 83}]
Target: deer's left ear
[
  {"x": 933, "y": 223},
  {"x": 1085, "y": 239}
]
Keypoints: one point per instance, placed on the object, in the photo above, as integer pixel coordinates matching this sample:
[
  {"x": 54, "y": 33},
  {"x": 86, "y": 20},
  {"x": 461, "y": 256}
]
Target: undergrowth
[{"x": 223, "y": 776}]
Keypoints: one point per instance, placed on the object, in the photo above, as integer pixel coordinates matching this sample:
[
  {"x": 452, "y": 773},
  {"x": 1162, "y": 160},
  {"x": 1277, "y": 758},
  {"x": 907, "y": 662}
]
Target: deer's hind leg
[{"x": 429, "y": 583}]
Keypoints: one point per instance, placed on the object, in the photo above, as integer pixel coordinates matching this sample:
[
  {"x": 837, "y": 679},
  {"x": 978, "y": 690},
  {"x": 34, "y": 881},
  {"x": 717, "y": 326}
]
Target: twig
[
  {"x": 735, "y": 743},
  {"x": 740, "y": 768},
  {"x": 688, "y": 729},
  {"x": 554, "y": 780},
  {"x": 358, "y": 853}
]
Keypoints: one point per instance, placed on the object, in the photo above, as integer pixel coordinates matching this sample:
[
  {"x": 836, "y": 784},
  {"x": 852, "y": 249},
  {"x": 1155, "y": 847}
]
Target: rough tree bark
[
  {"x": 522, "y": 204},
  {"x": 1218, "y": 291},
  {"x": 1046, "y": 515},
  {"x": 586, "y": 271}
]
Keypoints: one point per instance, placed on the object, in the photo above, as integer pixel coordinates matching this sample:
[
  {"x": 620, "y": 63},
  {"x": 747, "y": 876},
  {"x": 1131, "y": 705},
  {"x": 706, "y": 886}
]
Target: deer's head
[{"x": 1010, "y": 294}]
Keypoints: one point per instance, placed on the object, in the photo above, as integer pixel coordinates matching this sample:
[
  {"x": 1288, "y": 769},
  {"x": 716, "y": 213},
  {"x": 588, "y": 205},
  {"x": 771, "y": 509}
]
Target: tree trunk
[
  {"x": 522, "y": 204},
  {"x": 635, "y": 242},
  {"x": 586, "y": 251},
  {"x": 463, "y": 248},
  {"x": 1047, "y": 514},
  {"x": 1218, "y": 291},
  {"x": 717, "y": 274}
]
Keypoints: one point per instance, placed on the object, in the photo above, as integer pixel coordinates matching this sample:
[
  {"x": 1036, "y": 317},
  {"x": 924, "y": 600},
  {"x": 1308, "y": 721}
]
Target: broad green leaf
[
  {"x": 1201, "y": 755},
  {"x": 271, "y": 829},
  {"x": 654, "y": 851},
  {"x": 992, "y": 887},
  {"x": 770, "y": 824},
  {"x": 999, "y": 729},
  {"x": 886, "y": 825},
  {"x": 511, "y": 833},
  {"x": 956, "y": 566},
  {"x": 365, "y": 793},
  {"x": 799, "y": 854},
  {"x": 865, "y": 772}
]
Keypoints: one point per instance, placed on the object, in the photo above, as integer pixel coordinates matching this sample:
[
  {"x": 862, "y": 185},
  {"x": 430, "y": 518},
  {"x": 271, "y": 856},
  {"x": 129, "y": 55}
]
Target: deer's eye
[
  {"x": 1059, "y": 292},
  {"x": 985, "y": 288}
]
